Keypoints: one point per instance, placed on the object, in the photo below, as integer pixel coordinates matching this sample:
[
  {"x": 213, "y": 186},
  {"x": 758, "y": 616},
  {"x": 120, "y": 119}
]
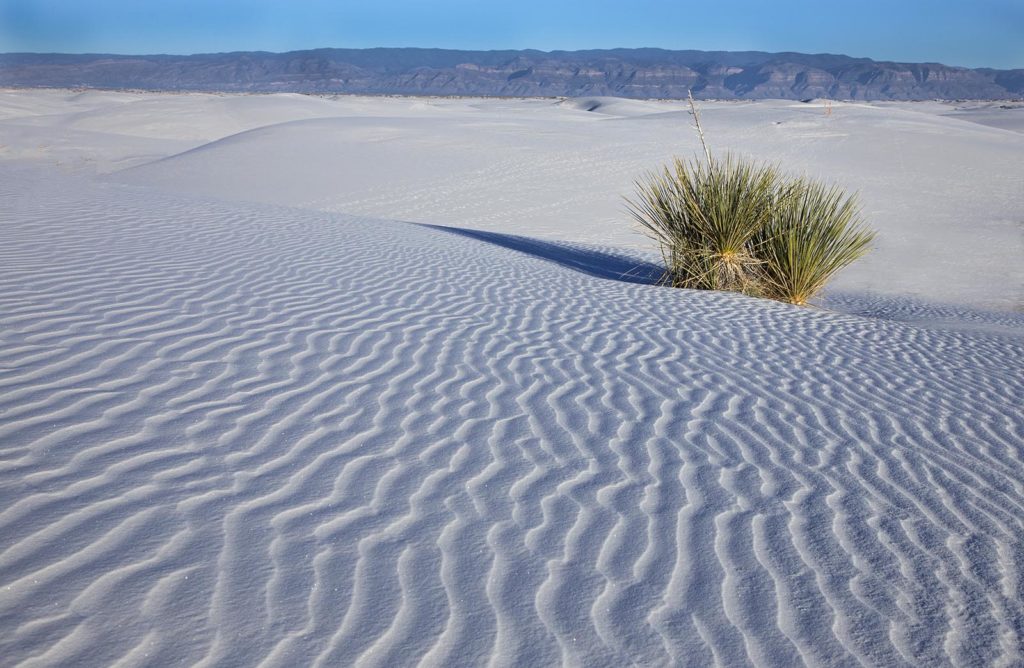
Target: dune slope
[
  {"x": 241, "y": 433},
  {"x": 944, "y": 192}
]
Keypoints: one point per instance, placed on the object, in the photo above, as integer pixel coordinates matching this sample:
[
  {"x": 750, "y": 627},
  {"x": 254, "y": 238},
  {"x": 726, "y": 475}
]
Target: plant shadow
[{"x": 601, "y": 263}]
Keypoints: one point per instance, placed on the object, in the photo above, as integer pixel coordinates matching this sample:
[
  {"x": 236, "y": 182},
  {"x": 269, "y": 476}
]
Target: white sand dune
[
  {"x": 944, "y": 192},
  {"x": 615, "y": 106},
  {"x": 237, "y": 429}
]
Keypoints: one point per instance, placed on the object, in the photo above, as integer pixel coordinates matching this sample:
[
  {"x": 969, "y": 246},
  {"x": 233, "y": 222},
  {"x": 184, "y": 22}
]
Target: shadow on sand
[{"x": 599, "y": 263}]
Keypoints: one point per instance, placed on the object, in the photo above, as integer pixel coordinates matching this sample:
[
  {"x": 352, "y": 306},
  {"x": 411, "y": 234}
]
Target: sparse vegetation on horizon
[{"x": 733, "y": 224}]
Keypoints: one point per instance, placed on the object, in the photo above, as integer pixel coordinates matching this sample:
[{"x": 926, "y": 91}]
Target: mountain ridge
[{"x": 633, "y": 73}]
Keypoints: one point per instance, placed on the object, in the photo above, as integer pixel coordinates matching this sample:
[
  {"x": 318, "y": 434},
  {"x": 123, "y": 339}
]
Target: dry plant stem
[{"x": 700, "y": 130}]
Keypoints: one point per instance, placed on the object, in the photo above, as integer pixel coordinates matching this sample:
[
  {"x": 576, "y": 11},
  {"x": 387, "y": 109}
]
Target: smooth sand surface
[
  {"x": 945, "y": 192},
  {"x": 294, "y": 381}
]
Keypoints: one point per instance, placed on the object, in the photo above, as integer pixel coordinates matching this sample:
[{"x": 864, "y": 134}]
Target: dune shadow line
[{"x": 599, "y": 263}]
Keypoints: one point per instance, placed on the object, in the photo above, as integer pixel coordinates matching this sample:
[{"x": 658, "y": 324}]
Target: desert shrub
[
  {"x": 814, "y": 233},
  {"x": 733, "y": 224},
  {"x": 705, "y": 216}
]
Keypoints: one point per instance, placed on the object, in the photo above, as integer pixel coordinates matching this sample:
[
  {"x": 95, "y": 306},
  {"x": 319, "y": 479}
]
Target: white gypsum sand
[
  {"x": 945, "y": 193},
  {"x": 247, "y": 416}
]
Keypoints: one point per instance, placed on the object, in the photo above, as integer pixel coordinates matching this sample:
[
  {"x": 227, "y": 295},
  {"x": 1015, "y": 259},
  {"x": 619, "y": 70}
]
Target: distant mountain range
[{"x": 635, "y": 73}]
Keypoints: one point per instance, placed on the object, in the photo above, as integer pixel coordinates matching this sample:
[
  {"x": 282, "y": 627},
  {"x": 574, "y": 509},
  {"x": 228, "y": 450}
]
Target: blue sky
[{"x": 974, "y": 33}]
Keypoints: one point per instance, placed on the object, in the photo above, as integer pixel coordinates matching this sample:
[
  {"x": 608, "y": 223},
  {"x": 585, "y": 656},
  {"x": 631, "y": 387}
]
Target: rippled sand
[{"x": 234, "y": 432}]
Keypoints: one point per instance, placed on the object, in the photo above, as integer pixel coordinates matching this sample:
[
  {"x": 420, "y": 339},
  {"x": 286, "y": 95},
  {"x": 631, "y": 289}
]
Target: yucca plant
[
  {"x": 704, "y": 216},
  {"x": 816, "y": 232},
  {"x": 737, "y": 225}
]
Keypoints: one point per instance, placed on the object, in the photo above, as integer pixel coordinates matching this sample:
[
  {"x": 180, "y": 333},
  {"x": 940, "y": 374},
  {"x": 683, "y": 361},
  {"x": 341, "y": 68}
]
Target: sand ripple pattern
[{"x": 241, "y": 435}]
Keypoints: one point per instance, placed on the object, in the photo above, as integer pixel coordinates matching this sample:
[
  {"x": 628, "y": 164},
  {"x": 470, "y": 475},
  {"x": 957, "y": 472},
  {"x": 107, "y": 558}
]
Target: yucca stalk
[{"x": 815, "y": 233}]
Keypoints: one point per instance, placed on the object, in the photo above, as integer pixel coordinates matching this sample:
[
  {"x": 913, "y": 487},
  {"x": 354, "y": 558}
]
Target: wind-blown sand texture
[{"x": 241, "y": 427}]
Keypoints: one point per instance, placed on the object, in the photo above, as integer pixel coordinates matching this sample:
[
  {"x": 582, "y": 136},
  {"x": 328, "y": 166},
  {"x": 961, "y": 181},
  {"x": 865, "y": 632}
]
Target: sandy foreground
[{"x": 288, "y": 380}]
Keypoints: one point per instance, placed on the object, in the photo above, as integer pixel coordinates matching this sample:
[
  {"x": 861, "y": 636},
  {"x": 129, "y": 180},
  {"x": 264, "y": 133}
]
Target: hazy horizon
[
  {"x": 524, "y": 49},
  {"x": 983, "y": 34}
]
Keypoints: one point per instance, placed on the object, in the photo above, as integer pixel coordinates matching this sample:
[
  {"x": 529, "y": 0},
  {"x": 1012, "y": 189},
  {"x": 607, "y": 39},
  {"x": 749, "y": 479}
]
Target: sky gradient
[{"x": 972, "y": 33}]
